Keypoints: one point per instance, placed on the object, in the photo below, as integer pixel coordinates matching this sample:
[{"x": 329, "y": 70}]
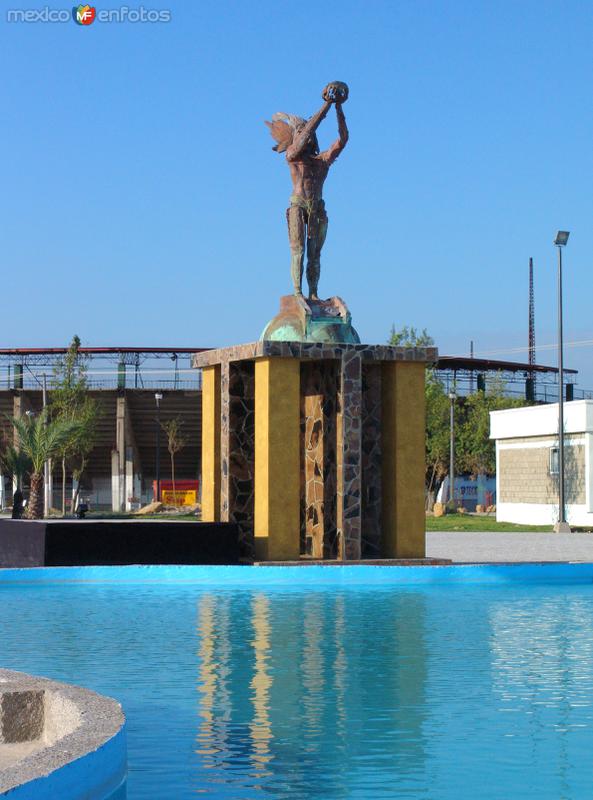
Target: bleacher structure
[{"x": 122, "y": 466}]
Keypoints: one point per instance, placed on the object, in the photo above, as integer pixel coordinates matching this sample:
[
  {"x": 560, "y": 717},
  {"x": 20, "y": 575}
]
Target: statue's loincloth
[{"x": 310, "y": 213}]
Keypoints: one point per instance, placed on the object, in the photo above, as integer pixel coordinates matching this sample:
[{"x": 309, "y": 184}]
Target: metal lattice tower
[{"x": 531, "y": 320}]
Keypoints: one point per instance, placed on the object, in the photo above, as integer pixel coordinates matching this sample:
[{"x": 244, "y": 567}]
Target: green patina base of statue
[{"x": 311, "y": 320}]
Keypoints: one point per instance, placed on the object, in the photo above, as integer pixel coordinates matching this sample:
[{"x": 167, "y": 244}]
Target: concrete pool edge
[
  {"x": 81, "y": 752},
  {"x": 297, "y": 577}
]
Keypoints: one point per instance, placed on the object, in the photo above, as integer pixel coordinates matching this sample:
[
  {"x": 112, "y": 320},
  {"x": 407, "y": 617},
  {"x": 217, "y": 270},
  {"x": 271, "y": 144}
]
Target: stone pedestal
[{"x": 316, "y": 450}]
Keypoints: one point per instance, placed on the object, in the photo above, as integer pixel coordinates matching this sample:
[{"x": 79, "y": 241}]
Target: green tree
[
  {"x": 40, "y": 438},
  {"x": 408, "y": 336},
  {"x": 71, "y": 402},
  {"x": 437, "y": 430},
  {"x": 475, "y": 451},
  {"x": 83, "y": 441},
  {"x": 175, "y": 442}
]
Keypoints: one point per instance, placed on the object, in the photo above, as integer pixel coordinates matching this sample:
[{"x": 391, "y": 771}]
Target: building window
[{"x": 554, "y": 461}]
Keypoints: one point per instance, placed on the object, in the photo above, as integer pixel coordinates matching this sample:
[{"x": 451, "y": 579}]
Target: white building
[{"x": 527, "y": 463}]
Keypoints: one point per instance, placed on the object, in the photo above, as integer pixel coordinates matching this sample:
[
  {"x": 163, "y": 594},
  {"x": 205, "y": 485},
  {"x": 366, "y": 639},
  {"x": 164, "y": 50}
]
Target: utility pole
[
  {"x": 562, "y": 525},
  {"x": 46, "y": 465},
  {"x": 531, "y": 385},
  {"x": 531, "y": 319},
  {"x": 452, "y": 398}
]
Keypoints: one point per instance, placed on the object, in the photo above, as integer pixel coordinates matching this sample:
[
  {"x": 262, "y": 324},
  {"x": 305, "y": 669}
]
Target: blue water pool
[{"x": 428, "y": 691}]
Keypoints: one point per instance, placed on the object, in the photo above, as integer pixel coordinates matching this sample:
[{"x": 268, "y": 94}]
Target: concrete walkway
[{"x": 517, "y": 546}]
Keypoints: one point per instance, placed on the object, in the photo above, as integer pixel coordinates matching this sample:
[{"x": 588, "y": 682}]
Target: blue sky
[{"x": 142, "y": 203}]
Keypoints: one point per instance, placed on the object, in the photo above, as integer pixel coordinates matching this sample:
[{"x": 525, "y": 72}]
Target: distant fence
[
  {"x": 549, "y": 393},
  {"x": 113, "y": 380}
]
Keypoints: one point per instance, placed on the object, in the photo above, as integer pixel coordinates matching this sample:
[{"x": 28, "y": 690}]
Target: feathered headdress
[{"x": 283, "y": 128}]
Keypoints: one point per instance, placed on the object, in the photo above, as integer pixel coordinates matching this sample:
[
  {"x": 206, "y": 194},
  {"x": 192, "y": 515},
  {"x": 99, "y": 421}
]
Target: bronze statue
[{"x": 306, "y": 217}]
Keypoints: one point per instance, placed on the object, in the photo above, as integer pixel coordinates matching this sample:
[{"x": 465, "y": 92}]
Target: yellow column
[
  {"x": 403, "y": 459},
  {"x": 211, "y": 444},
  {"x": 277, "y": 459}
]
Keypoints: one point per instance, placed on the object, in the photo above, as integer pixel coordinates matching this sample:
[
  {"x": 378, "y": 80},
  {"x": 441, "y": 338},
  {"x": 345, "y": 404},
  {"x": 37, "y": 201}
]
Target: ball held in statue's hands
[{"x": 335, "y": 92}]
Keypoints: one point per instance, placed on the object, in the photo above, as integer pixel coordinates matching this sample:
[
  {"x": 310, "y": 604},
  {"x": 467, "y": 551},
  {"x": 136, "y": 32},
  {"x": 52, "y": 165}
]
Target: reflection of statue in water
[{"x": 307, "y": 220}]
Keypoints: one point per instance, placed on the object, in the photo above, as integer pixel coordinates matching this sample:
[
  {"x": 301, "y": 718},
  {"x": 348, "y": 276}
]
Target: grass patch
[
  {"x": 467, "y": 522},
  {"x": 109, "y": 515},
  {"x": 169, "y": 517}
]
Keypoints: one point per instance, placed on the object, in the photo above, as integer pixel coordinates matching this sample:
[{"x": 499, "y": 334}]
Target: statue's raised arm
[
  {"x": 301, "y": 140},
  {"x": 334, "y": 150}
]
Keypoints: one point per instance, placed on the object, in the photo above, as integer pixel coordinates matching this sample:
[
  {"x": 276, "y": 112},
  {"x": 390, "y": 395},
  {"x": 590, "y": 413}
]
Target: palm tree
[
  {"x": 15, "y": 462},
  {"x": 40, "y": 438}
]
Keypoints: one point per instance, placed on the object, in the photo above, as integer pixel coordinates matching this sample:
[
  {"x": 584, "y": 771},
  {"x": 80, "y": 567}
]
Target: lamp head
[
  {"x": 561, "y": 238},
  {"x": 158, "y": 397}
]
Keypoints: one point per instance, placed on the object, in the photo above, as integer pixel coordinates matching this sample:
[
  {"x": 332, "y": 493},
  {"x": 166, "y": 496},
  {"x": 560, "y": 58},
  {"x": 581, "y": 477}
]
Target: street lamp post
[
  {"x": 158, "y": 397},
  {"x": 452, "y": 398},
  {"x": 46, "y": 466},
  {"x": 562, "y": 525}
]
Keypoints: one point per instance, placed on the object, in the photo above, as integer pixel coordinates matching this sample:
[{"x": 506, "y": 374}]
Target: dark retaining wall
[{"x": 26, "y": 543}]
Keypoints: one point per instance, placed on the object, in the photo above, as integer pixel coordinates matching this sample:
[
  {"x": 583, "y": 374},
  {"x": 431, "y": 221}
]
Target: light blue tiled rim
[{"x": 298, "y": 577}]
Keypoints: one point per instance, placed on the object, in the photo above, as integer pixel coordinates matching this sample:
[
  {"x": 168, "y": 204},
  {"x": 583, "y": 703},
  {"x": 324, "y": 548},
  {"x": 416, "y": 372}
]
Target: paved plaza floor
[{"x": 516, "y": 546}]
